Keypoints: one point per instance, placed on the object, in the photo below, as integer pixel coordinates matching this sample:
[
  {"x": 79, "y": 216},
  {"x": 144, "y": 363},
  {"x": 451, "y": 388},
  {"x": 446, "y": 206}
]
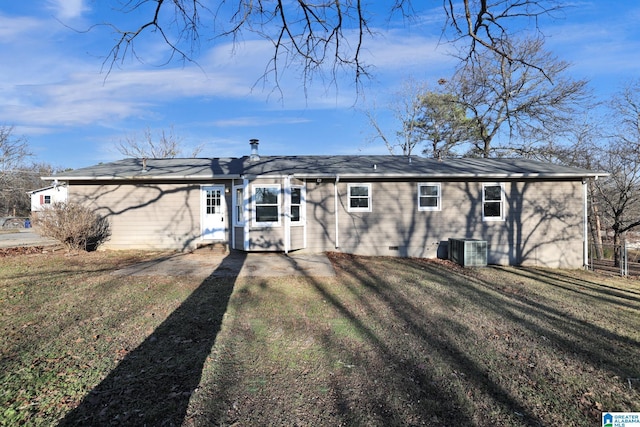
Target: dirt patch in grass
[{"x": 386, "y": 341}]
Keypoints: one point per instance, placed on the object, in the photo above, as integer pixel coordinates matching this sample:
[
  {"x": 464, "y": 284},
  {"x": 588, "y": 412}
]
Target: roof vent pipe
[
  {"x": 254, "y": 150},
  {"x": 144, "y": 164}
]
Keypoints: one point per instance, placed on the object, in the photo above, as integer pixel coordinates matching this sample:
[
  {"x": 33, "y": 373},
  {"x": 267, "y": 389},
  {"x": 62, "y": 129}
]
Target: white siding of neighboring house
[{"x": 44, "y": 197}]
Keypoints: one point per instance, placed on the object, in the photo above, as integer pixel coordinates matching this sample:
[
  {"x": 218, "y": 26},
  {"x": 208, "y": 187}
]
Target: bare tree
[
  {"x": 406, "y": 108},
  {"x": 314, "y": 36},
  {"x": 620, "y": 192},
  {"x": 531, "y": 104},
  {"x": 165, "y": 145},
  {"x": 14, "y": 152}
]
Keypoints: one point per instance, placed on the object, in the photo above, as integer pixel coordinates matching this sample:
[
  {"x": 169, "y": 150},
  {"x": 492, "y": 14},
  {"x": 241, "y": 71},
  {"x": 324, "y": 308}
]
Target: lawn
[{"x": 386, "y": 342}]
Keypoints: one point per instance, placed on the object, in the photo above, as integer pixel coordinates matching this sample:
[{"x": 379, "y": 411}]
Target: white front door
[{"x": 212, "y": 216}]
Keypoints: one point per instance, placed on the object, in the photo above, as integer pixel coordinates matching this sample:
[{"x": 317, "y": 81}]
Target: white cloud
[
  {"x": 15, "y": 28},
  {"x": 68, "y": 9},
  {"x": 257, "y": 121}
]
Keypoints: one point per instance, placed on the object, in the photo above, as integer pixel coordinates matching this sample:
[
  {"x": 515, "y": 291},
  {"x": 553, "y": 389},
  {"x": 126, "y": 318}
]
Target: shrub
[{"x": 75, "y": 225}]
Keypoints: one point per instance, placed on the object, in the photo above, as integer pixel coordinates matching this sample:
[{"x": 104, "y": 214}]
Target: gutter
[
  {"x": 140, "y": 177},
  {"x": 335, "y": 199}
]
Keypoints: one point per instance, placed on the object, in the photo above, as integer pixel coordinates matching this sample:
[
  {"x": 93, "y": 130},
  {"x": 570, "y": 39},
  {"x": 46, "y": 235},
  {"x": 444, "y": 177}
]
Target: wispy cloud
[
  {"x": 257, "y": 121},
  {"x": 68, "y": 9}
]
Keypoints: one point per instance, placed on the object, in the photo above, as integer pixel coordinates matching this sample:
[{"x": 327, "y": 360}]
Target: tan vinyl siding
[
  {"x": 542, "y": 226},
  {"x": 320, "y": 210},
  {"x": 266, "y": 239},
  {"x": 239, "y": 238},
  {"x": 147, "y": 216}
]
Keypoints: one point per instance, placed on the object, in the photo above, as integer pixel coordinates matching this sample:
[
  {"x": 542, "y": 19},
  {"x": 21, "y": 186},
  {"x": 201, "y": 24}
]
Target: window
[
  {"x": 266, "y": 199},
  {"x": 429, "y": 197},
  {"x": 296, "y": 204},
  {"x": 213, "y": 201},
  {"x": 238, "y": 205},
  {"x": 46, "y": 200},
  {"x": 359, "y": 198},
  {"x": 492, "y": 202}
]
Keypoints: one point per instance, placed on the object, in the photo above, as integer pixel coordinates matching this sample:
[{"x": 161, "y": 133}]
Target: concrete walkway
[
  {"x": 25, "y": 237},
  {"x": 233, "y": 264}
]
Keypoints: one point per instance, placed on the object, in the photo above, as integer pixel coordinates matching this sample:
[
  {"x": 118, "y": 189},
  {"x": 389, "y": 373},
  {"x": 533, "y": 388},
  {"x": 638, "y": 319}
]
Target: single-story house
[
  {"x": 528, "y": 212},
  {"x": 44, "y": 197}
]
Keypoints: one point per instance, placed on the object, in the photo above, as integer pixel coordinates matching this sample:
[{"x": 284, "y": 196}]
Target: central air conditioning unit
[{"x": 468, "y": 252}]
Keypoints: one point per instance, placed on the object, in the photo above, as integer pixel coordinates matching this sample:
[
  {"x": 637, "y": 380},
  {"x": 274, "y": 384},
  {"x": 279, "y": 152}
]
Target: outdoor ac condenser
[{"x": 468, "y": 252}]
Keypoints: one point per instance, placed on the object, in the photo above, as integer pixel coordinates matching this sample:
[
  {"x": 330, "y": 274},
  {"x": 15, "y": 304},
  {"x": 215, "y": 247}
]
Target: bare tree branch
[
  {"x": 324, "y": 37},
  {"x": 165, "y": 146}
]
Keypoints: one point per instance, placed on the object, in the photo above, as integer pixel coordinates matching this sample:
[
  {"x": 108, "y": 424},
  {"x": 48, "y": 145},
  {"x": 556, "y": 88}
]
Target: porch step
[{"x": 214, "y": 248}]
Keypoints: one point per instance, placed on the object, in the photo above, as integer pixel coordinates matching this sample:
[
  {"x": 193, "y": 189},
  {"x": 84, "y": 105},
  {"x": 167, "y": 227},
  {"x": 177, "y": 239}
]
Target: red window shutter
[{"x": 42, "y": 199}]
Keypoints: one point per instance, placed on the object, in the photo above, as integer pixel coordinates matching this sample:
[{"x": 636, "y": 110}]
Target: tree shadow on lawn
[
  {"x": 152, "y": 385},
  {"x": 376, "y": 365}
]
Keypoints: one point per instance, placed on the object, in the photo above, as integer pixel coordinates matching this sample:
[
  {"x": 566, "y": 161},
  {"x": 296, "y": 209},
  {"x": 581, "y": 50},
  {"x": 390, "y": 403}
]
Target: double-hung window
[
  {"x": 359, "y": 197},
  {"x": 492, "y": 202},
  {"x": 429, "y": 197},
  {"x": 238, "y": 205},
  {"x": 297, "y": 205},
  {"x": 266, "y": 201}
]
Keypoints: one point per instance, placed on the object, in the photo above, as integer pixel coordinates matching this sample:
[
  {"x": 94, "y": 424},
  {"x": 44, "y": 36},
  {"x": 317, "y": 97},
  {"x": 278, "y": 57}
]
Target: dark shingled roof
[{"x": 324, "y": 167}]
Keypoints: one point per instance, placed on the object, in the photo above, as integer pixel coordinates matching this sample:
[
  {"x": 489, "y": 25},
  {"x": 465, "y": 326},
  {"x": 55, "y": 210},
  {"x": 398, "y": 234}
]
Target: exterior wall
[
  {"x": 320, "y": 209},
  {"x": 239, "y": 238},
  {"x": 56, "y": 194},
  {"x": 149, "y": 215},
  {"x": 543, "y": 222}
]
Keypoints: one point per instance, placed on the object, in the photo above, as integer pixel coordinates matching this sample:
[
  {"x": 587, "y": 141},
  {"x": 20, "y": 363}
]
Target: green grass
[{"x": 385, "y": 342}]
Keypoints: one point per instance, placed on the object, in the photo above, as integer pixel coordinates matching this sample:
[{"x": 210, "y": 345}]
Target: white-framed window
[
  {"x": 266, "y": 204},
  {"x": 359, "y": 197},
  {"x": 493, "y": 202},
  {"x": 297, "y": 212},
  {"x": 429, "y": 196},
  {"x": 238, "y": 205}
]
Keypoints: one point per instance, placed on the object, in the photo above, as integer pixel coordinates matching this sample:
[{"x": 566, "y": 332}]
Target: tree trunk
[
  {"x": 594, "y": 223},
  {"x": 617, "y": 248}
]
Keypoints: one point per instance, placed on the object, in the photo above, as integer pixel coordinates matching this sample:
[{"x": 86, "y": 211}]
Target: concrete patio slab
[{"x": 233, "y": 264}]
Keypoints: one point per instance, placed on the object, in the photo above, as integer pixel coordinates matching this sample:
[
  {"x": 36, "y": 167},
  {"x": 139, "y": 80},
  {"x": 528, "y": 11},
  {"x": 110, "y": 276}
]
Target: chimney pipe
[{"x": 254, "y": 150}]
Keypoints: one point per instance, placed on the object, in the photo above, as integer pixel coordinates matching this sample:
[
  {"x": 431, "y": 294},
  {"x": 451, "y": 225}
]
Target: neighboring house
[
  {"x": 529, "y": 212},
  {"x": 44, "y": 197}
]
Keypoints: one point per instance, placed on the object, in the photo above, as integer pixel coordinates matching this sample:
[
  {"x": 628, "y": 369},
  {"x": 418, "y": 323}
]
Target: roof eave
[{"x": 139, "y": 177}]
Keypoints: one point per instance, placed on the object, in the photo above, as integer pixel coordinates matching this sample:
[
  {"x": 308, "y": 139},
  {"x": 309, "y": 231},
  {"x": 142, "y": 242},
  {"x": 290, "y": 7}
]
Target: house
[
  {"x": 44, "y": 197},
  {"x": 529, "y": 213}
]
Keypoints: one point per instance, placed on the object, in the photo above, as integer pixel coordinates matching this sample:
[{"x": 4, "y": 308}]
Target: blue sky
[{"x": 55, "y": 92}]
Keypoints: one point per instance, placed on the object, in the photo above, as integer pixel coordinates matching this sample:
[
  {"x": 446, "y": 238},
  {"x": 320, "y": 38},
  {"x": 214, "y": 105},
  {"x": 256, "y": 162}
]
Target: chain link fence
[{"x": 623, "y": 260}]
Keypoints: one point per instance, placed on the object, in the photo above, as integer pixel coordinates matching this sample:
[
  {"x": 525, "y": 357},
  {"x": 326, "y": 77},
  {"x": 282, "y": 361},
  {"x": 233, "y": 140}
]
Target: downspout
[
  {"x": 585, "y": 218},
  {"x": 287, "y": 214},
  {"x": 335, "y": 199},
  {"x": 232, "y": 223},
  {"x": 246, "y": 212}
]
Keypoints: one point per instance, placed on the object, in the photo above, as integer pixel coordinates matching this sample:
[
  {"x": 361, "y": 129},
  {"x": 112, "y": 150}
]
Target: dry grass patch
[{"x": 385, "y": 342}]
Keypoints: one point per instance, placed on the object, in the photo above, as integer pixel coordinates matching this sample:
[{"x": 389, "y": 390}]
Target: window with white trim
[
  {"x": 429, "y": 197},
  {"x": 266, "y": 204},
  {"x": 493, "y": 202},
  {"x": 297, "y": 205},
  {"x": 359, "y": 197},
  {"x": 238, "y": 205}
]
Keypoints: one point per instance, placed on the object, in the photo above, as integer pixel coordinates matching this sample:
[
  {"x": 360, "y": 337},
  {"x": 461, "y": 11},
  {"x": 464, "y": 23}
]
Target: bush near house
[{"x": 77, "y": 226}]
